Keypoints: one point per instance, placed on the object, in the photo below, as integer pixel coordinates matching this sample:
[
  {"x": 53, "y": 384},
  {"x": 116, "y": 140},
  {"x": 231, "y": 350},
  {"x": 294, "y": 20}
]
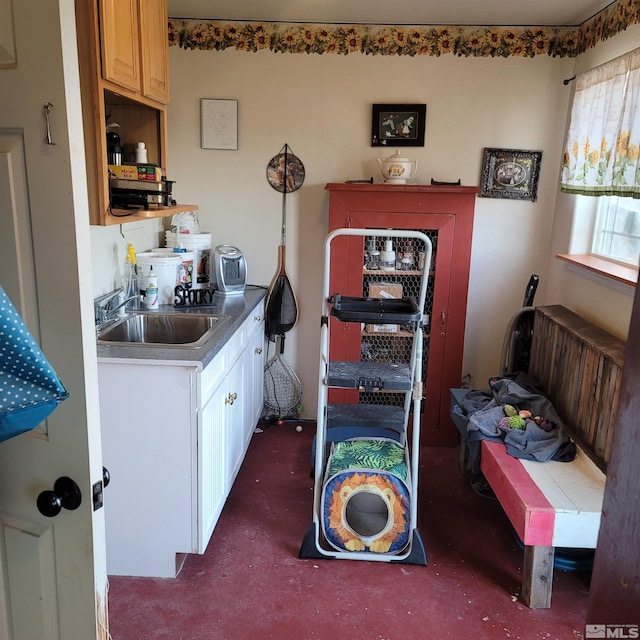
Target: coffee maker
[{"x": 114, "y": 148}]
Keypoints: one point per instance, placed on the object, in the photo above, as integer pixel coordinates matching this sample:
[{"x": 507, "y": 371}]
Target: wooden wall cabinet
[
  {"x": 120, "y": 43},
  {"x": 123, "y": 58},
  {"x": 134, "y": 46},
  {"x": 154, "y": 49},
  {"x": 445, "y": 214}
]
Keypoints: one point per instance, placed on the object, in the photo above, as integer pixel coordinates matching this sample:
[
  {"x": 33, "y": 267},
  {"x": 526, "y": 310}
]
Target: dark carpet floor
[{"x": 250, "y": 583}]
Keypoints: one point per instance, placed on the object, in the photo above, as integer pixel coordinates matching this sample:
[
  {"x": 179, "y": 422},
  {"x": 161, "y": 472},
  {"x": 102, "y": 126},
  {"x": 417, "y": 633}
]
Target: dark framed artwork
[
  {"x": 510, "y": 173},
  {"x": 398, "y": 125}
]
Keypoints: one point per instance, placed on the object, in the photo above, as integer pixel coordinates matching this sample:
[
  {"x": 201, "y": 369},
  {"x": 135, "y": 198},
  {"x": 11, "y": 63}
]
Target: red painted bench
[
  {"x": 558, "y": 504},
  {"x": 550, "y": 504}
]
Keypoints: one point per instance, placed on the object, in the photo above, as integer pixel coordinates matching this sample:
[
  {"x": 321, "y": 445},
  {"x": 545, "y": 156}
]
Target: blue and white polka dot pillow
[{"x": 29, "y": 387}]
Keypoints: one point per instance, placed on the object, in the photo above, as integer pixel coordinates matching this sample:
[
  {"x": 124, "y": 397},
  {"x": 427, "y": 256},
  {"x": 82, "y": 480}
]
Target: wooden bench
[{"x": 558, "y": 504}]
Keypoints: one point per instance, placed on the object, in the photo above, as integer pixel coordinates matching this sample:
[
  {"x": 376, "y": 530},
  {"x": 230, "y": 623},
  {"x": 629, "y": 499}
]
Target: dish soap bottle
[{"x": 151, "y": 291}]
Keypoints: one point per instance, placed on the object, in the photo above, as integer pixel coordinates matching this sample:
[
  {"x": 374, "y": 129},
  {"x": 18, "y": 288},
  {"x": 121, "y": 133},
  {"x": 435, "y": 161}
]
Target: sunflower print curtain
[{"x": 602, "y": 152}]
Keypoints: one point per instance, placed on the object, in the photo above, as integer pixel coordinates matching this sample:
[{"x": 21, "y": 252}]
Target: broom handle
[{"x": 283, "y": 237}]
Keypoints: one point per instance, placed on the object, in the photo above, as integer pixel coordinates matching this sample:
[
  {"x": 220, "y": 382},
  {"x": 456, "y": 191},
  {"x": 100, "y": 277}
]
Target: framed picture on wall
[
  {"x": 219, "y": 124},
  {"x": 398, "y": 125},
  {"x": 509, "y": 173}
]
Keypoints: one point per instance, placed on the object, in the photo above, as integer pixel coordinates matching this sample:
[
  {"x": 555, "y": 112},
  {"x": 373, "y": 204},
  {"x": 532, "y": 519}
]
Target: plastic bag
[{"x": 186, "y": 222}]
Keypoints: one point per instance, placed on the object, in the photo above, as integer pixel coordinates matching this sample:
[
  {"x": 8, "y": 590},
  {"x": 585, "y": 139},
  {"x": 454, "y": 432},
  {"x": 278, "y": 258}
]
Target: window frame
[
  {"x": 579, "y": 251},
  {"x": 605, "y": 221}
]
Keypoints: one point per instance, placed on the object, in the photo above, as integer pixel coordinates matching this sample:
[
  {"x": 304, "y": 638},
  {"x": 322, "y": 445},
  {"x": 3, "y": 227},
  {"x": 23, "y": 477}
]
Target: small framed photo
[
  {"x": 509, "y": 173},
  {"x": 219, "y": 124},
  {"x": 398, "y": 125}
]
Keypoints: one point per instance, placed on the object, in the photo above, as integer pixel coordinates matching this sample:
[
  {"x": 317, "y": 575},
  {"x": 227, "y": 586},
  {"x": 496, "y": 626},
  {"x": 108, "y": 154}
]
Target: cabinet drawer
[
  {"x": 213, "y": 374},
  {"x": 238, "y": 342},
  {"x": 232, "y": 350}
]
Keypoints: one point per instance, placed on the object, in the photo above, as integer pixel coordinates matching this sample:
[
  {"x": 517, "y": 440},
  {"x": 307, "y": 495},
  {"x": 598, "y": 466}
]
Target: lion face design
[{"x": 365, "y": 512}]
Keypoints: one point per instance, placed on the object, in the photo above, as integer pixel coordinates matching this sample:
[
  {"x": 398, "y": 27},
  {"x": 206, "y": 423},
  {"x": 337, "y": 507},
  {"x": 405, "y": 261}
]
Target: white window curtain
[{"x": 603, "y": 142}]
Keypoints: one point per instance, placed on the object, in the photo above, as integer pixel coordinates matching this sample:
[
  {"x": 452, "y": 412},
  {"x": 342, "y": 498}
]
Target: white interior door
[{"x": 52, "y": 569}]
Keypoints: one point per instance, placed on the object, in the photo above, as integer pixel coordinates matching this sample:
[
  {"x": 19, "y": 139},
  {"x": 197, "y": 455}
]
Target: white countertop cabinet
[{"x": 174, "y": 437}]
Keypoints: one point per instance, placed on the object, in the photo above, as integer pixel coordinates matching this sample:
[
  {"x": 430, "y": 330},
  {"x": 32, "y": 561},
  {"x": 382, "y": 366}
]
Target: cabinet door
[
  {"x": 442, "y": 347},
  {"x": 212, "y": 465},
  {"x": 120, "y": 43},
  {"x": 235, "y": 400},
  {"x": 254, "y": 379},
  {"x": 446, "y": 215},
  {"x": 154, "y": 50}
]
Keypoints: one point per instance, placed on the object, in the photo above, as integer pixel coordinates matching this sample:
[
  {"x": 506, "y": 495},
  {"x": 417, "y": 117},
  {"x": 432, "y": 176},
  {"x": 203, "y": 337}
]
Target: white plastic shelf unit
[{"x": 337, "y": 422}]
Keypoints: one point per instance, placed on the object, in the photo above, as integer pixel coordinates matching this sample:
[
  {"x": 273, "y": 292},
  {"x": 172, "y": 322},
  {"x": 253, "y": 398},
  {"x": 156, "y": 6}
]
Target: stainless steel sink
[{"x": 162, "y": 330}]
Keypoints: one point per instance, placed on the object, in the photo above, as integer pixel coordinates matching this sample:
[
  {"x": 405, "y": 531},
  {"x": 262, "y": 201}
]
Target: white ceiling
[{"x": 416, "y": 12}]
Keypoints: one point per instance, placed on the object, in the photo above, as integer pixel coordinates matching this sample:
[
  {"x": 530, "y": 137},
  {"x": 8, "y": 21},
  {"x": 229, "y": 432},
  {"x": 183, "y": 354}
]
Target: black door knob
[
  {"x": 66, "y": 494},
  {"x": 106, "y": 477}
]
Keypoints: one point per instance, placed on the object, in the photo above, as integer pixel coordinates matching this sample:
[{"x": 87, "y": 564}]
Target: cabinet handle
[
  {"x": 259, "y": 350},
  {"x": 231, "y": 398},
  {"x": 257, "y": 318}
]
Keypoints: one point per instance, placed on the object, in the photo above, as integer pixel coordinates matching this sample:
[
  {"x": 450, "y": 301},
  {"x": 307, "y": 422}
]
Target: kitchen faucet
[
  {"x": 104, "y": 312},
  {"x": 109, "y": 311}
]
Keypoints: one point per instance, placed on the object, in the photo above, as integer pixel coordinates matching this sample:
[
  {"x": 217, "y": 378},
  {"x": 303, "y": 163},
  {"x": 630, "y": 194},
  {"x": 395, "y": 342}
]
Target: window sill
[{"x": 605, "y": 268}]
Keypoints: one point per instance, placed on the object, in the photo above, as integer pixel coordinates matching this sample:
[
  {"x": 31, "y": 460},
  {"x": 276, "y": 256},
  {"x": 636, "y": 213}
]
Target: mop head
[{"x": 366, "y": 496}]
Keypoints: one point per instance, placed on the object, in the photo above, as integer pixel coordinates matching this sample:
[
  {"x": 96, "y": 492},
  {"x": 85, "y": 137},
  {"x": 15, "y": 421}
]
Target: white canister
[
  {"x": 187, "y": 272},
  {"x": 165, "y": 267},
  {"x": 141, "y": 153},
  {"x": 200, "y": 243}
]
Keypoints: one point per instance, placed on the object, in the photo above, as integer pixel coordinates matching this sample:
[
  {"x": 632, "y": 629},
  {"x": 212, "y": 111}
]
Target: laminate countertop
[{"x": 234, "y": 310}]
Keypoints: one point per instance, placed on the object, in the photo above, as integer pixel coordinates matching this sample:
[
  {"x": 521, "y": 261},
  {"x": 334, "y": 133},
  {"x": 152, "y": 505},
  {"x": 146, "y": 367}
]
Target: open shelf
[{"x": 122, "y": 216}]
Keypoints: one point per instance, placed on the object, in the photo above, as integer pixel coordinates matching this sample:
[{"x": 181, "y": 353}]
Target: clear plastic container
[{"x": 131, "y": 286}]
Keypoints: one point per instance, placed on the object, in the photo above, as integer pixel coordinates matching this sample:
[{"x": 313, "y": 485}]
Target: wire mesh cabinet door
[{"x": 445, "y": 214}]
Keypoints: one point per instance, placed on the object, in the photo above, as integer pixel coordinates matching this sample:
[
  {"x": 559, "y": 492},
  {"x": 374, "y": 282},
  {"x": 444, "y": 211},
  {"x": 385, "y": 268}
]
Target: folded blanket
[{"x": 485, "y": 409}]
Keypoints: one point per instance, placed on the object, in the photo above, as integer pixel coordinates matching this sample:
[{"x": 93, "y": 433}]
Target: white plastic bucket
[
  {"x": 200, "y": 243},
  {"x": 165, "y": 267},
  {"x": 187, "y": 272}
]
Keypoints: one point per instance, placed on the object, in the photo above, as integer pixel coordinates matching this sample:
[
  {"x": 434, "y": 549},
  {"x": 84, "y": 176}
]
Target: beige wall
[{"x": 321, "y": 107}]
